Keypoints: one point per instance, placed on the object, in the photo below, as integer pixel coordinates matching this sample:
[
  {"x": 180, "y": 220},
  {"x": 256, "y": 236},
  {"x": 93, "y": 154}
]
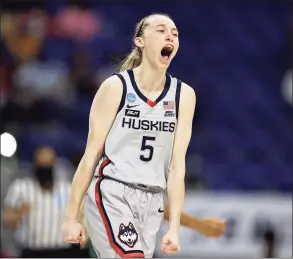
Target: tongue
[{"x": 165, "y": 57}]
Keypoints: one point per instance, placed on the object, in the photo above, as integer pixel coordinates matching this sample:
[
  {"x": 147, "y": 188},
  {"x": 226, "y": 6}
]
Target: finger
[
  {"x": 171, "y": 251},
  {"x": 78, "y": 239},
  {"x": 163, "y": 243},
  {"x": 83, "y": 236},
  {"x": 165, "y": 250},
  {"x": 164, "y": 246},
  {"x": 171, "y": 248},
  {"x": 174, "y": 247},
  {"x": 71, "y": 240}
]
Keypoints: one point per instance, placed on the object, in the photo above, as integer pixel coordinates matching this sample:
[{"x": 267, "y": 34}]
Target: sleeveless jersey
[{"x": 139, "y": 145}]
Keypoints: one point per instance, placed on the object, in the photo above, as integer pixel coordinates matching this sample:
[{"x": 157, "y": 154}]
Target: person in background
[
  {"x": 269, "y": 239},
  {"x": 33, "y": 208}
]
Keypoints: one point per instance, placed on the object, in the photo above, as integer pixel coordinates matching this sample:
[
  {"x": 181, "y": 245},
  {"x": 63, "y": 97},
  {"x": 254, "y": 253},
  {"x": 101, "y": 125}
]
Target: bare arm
[
  {"x": 102, "y": 116},
  {"x": 189, "y": 221},
  {"x": 186, "y": 220},
  {"x": 175, "y": 184},
  {"x": 210, "y": 227}
]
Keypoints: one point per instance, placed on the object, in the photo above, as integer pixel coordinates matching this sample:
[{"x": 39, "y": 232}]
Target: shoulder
[
  {"x": 112, "y": 84},
  {"x": 187, "y": 89},
  {"x": 108, "y": 98},
  {"x": 184, "y": 88},
  {"x": 16, "y": 184},
  {"x": 187, "y": 94},
  {"x": 20, "y": 184},
  {"x": 110, "y": 90}
]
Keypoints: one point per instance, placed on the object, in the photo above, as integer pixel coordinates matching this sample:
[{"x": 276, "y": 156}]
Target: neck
[
  {"x": 149, "y": 77},
  {"x": 48, "y": 185}
]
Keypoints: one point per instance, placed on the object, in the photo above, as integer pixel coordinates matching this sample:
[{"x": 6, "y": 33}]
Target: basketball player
[{"x": 139, "y": 129}]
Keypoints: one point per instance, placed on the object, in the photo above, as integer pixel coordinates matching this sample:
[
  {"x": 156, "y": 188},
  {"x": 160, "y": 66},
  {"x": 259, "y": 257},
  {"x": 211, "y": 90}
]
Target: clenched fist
[
  {"x": 170, "y": 243},
  {"x": 73, "y": 232}
]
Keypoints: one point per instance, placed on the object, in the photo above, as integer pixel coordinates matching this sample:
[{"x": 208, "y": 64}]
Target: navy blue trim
[
  {"x": 107, "y": 218},
  {"x": 122, "y": 101},
  {"x": 177, "y": 96},
  {"x": 141, "y": 95}
]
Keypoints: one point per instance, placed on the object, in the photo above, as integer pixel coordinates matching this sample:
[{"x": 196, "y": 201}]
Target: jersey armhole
[
  {"x": 177, "y": 97},
  {"x": 122, "y": 101}
]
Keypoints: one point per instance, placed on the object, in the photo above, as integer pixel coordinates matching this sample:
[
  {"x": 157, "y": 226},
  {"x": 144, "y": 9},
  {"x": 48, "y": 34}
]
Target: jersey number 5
[{"x": 145, "y": 146}]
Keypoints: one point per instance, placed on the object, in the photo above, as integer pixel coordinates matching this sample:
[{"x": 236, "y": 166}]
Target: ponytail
[{"x": 132, "y": 61}]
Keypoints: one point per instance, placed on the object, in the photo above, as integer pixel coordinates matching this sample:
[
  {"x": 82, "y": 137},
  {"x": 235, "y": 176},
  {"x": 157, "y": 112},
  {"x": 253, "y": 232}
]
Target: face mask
[{"x": 44, "y": 174}]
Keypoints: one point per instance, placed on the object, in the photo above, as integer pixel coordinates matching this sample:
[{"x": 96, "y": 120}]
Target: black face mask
[{"x": 44, "y": 175}]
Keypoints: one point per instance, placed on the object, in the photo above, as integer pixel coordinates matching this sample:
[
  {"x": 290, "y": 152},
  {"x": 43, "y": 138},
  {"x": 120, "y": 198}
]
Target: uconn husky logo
[{"x": 128, "y": 235}]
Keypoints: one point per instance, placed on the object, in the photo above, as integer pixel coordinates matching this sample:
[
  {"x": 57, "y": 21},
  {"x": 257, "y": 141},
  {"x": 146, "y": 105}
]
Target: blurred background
[{"x": 236, "y": 55}]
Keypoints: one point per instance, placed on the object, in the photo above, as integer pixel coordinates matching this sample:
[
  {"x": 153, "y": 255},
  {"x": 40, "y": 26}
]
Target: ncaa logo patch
[{"x": 131, "y": 97}]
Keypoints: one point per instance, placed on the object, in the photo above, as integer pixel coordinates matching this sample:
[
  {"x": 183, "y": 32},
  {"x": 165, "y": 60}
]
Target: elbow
[
  {"x": 85, "y": 168},
  {"x": 177, "y": 172},
  {"x": 176, "y": 178}
]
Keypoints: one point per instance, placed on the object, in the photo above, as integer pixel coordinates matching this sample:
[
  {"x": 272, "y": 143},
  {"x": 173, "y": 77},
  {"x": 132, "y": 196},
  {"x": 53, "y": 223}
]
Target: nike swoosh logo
[
  {"x": 131, "y": 106},
  {"x": 160, "y": 210}
]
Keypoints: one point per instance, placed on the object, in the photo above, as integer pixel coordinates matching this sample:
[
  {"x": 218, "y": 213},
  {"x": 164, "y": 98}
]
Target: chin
[{"x": 163, "y": 63}]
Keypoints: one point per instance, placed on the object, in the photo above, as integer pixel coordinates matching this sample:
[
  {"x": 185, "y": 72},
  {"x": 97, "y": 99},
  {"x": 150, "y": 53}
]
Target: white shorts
[{"x": 122, "y": 222}]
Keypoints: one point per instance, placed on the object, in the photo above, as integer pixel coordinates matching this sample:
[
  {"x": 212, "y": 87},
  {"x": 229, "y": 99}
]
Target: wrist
[
  {"x": 69, "y": 221},
  {"x": 174, "y": 227},
  {"x": 69, "y": 218},
  {"x": 71, "y": 212}
]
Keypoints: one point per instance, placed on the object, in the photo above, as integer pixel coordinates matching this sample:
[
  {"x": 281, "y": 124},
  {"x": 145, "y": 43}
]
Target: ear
[
  {"x": 139, "y": 42},
  {"x": 131, "y": 225},
  {"x": 121, "y": 227}
]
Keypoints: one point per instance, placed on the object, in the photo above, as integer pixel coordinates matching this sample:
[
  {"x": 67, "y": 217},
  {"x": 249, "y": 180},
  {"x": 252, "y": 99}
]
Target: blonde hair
[
  {"x": 134, "y": 58},
  {"x": 132, "y": 61}
]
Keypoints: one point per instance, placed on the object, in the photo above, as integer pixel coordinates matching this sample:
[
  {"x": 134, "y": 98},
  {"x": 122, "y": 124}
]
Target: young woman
[{"x": 139, "y": 129}]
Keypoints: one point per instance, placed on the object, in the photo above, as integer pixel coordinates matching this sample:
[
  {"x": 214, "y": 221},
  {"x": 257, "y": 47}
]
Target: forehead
[
  {"x": 156, "y": 20},
  {"x": 44, "y": 155}
]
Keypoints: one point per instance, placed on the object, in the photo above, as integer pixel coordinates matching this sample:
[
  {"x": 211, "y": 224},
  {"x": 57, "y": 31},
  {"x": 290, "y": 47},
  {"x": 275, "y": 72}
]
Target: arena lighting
[{"x": 8, "y": 145}]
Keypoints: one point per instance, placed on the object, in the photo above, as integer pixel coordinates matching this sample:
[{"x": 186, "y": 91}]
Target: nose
[
  {"x": 169, "y": 37},
  {"x": 129, "y": 239}
]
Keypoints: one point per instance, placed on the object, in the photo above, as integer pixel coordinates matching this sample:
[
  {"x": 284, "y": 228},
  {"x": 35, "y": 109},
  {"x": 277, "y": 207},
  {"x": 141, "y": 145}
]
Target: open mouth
[{"x": 166, "y": 52}]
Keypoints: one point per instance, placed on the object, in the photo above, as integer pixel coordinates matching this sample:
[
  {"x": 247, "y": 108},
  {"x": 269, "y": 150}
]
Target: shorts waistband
[{"x": 141, "y": 187}]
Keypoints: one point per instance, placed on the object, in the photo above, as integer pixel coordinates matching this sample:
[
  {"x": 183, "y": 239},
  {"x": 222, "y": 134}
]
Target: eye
[
  {"x": 175, "y": 34},
  {"x": 161, "y": 30}
]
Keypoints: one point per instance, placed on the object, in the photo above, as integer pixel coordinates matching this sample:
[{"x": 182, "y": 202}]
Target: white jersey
[{"x": 139, "y": 145}]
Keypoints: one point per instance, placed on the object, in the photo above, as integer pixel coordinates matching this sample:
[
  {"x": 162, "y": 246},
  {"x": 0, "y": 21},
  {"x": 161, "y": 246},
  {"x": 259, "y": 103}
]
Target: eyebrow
[{"x": 165, "y": 26}]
